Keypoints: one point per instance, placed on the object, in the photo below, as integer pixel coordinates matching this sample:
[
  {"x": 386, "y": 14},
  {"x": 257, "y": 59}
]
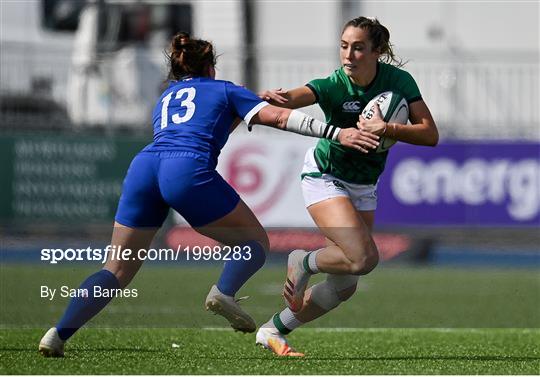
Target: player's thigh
[
  {"x": 136, "y": 241},
  {"x": 367, "y": 216},
  {"x": 329, "y": 203},
  {"x": 237, "y": 227},
  {"x": 339, "y": 221},
  {"x": 342, "y": 210}
]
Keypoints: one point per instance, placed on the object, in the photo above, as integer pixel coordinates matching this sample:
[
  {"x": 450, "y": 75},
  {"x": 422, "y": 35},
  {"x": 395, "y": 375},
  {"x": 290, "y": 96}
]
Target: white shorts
[{"x": 317, "y": 189}]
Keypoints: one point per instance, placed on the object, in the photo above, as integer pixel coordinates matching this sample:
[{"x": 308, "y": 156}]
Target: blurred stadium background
[{"x": 458, "y": 225}]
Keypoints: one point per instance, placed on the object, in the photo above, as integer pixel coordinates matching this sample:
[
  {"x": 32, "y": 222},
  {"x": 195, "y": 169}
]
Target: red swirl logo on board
[{"x": 253, "y": 173}]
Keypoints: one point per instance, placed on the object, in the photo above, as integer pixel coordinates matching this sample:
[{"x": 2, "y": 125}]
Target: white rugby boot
[
  {"x": 297, "y": 280},
  {"x": 51, "y": 345},
  {"x": 271, "y": 339},
  {"x": 227, "y": 306}
]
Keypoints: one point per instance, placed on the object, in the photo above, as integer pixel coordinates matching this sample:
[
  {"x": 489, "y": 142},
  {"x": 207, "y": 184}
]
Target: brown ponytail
[
  {"x": 189, "y": 57},
  {"x": 379, "y": 37}
]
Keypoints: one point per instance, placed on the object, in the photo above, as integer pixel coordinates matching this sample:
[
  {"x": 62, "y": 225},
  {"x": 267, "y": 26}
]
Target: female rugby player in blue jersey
[
  {"x": 340, "y": 185},
  {"x": 192, "y": 121}
]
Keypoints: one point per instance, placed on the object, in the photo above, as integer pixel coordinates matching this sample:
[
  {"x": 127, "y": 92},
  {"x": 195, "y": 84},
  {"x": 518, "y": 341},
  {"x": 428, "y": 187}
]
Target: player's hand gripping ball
[{"x": 394, "y": 109}]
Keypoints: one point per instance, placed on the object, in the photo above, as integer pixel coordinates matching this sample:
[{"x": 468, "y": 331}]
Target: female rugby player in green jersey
[
  {"x": 339, "y": 185},
  {"x": 192, "y": 121}
]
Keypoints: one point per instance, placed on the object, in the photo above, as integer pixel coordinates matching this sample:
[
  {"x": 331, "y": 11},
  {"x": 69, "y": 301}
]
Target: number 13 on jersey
[{"x": 187, "y": 103}]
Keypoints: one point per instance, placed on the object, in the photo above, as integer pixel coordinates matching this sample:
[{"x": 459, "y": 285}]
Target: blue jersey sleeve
[{"x": 245, "y": 103}]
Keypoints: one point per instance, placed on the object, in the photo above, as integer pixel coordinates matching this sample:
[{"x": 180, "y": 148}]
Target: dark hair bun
[
  {"x": 189, "y": 57},
  {"x": 179, "y": 42}
]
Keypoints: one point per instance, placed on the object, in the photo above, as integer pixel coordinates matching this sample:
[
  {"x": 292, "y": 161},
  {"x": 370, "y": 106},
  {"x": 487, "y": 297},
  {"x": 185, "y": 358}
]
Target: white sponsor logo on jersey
[{"x": 352, "y": 107}]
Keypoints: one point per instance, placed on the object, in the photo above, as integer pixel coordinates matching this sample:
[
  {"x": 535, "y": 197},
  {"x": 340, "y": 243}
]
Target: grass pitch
[
  {"x": 487, "y": 323},
  {"x": 391, "y": 351}
]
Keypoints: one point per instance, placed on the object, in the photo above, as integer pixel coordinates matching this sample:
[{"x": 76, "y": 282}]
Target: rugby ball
[{"x": 394, "y": 109}]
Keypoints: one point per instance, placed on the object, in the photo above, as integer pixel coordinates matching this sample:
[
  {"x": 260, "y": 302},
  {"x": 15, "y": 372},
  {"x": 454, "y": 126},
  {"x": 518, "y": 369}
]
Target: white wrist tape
[{"x": 303, "y": 124}]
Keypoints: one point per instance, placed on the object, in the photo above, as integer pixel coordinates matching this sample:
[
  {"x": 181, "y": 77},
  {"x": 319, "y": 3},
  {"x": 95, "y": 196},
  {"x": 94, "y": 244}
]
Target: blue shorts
[{"x": 157, "y": 181}]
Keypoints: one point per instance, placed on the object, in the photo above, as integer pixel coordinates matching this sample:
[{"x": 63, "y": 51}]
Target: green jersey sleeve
[
  {"x": 406, "y": 84},
  {"x": 322, "y": 88}
]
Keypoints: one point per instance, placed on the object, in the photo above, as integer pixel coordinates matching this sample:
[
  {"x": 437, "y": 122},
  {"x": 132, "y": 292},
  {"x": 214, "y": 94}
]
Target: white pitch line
[
  {"x": 390, "y": 329},
  {"x": 426, "y": 329}
]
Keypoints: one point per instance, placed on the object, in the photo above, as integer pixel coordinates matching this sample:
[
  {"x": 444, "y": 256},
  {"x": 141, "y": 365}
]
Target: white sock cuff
[
  {"x": 289, "y": 320},
  {"x": 312, "y": 261}
]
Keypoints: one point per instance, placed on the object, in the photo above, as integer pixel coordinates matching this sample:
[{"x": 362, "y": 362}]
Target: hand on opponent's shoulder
[
  {"x": 291, "y": 98},
  {"x": 274, "y": 96}
]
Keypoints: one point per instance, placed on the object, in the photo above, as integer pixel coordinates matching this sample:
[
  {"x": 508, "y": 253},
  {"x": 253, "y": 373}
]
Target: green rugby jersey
[{"x": 342, "y": 101}]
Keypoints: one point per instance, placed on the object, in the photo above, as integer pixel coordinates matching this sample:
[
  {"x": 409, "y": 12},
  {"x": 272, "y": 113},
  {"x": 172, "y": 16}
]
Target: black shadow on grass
[
  {"x": 268, "y": 356},
  {"x": 379, "y": 358},
  {"x": 434, "y": 358},
  {"x": 81, "y": 350}
]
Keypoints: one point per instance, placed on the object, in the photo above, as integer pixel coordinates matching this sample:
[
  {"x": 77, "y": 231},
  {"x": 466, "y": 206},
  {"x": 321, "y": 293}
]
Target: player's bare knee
[
  {"x": 371, "y": 262},
  {"x": 364, "y": 264},
  {"x": 356, "y": 268},
  {"x": 358, "y": 264},
  {"x": 258, "y": 235}
]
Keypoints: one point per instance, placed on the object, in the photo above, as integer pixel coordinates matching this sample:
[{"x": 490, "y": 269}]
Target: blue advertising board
[{"x": 462, "y": 183}]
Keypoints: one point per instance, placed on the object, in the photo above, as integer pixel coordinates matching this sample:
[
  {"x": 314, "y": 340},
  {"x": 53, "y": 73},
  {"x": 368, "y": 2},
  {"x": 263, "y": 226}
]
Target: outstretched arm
[
  {"x": 291, "y": 99},
  {"x": 298, "y": 122}
]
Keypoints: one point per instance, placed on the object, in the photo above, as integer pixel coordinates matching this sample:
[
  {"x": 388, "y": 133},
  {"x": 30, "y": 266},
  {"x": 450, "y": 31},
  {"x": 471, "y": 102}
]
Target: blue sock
[
  {"x": 81, "y": 309},
  {"x": 236, "y": 272}
]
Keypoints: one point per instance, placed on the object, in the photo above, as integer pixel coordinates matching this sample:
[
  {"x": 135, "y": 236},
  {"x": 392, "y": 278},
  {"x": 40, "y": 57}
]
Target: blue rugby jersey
[{"x": 195, "y": 115}]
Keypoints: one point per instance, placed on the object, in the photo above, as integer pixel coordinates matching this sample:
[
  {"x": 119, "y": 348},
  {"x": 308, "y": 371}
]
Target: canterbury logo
[
  {"x": 338, "y": 184},
  {"x": 351, "y": 107}
]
